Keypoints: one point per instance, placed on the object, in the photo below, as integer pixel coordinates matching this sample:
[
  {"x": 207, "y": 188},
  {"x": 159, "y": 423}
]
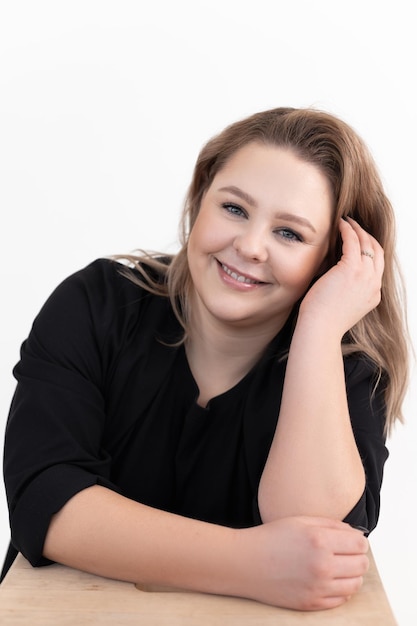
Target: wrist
[
  {"x": 247, "y": 570},
  {"x": 318, "y": 325},
  {"x": 235, "y": 563}
]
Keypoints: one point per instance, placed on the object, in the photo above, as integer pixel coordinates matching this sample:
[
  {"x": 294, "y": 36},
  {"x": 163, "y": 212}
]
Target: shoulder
[
  {"x": 91, "y": 317},
  {"x": 99, "y": 279},
  {"x": 103, "y": 286},
  {"x": 96, "y": 298}
]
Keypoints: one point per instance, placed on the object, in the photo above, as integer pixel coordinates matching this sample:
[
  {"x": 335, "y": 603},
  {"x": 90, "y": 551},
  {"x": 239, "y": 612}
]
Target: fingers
[
  {"x": 332, "y": 603},
  {"x": 341, "y": 576},
  {"x": 366, "y": 246},
  {"x": 342, "y": 591},
  {"x": 345, "y": 539},
  {"x": 350, "y": 541},
  {"x": 349, "y": 567},
  {"x": 330, "y": 592},
  {"x": 316, "y": 562},
  {"x": 363, "y": 260}
]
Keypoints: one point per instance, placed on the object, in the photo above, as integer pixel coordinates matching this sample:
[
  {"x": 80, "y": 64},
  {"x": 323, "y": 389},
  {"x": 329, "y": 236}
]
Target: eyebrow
[
  {"x": 241, "y": 194},
  {"x": 283, "y": 216}
]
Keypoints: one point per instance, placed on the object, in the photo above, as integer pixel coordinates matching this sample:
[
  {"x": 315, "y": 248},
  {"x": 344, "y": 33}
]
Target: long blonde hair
[{"x": 331, "y": 145}]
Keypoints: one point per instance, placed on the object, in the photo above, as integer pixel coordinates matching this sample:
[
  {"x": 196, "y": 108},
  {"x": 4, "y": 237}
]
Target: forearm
[
  {"x": 314, "y": 467},
  {"x": 104, "y": 533},
  {"x": 301, "y": 563}
]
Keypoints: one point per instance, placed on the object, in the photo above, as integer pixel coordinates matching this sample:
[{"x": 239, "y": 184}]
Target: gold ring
[{"x": 367, "y": 253}]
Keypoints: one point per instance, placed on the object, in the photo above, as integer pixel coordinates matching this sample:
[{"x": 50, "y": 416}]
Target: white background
[{"x": 103, "y": 108}]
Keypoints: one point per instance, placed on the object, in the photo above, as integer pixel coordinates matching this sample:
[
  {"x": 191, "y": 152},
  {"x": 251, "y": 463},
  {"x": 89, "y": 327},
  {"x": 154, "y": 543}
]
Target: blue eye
[
  {"x": 233, "y": 209},
  {"x": 288, "y": 234}
]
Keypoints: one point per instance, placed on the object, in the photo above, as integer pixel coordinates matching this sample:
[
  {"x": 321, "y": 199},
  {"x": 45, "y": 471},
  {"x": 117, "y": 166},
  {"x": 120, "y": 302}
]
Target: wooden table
[{"x": 57, "y": 595}]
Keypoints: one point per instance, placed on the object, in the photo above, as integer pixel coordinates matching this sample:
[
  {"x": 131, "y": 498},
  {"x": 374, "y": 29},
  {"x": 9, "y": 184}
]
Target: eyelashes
[
  {"x": 287, "y": 234},
  {"x": 234, "y": 209}
]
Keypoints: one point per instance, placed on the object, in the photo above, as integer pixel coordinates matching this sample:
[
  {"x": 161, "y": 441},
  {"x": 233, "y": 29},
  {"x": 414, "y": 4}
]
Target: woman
[{"x": 207, "y": 420}]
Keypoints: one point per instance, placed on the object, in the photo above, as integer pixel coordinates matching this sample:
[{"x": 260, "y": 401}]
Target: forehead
[
  {"x": 274, "y": 174},
  {"x": 257, "y": 154}
]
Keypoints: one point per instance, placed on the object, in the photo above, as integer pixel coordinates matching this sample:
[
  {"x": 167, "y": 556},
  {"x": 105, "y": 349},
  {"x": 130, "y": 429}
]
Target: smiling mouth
[{"x": 240, "y": 277}]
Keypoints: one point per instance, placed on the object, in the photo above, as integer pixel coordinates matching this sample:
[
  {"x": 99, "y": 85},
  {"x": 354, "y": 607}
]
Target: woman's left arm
[{"x": 314, "y": 466}]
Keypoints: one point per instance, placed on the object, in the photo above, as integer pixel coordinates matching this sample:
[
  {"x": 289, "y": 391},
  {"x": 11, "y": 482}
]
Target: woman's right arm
[{"x": 301, "y": 563}]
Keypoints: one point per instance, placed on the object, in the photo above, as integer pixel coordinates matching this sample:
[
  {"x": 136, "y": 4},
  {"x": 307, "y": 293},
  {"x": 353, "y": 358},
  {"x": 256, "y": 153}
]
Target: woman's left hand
[{"x": 351, "y": 288}]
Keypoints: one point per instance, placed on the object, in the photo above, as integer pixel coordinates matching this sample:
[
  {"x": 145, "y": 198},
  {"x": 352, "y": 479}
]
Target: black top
[{"x": 102, "y": 399}]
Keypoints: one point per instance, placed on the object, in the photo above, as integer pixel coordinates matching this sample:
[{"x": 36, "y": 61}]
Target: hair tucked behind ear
[{"x": 329, "y": 143}]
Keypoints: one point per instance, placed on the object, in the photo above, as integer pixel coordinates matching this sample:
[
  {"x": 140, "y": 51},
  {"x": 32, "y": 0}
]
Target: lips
[{"x": 240, "y": 278}]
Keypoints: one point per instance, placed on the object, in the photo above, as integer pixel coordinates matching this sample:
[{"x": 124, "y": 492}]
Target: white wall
[{"x": 103, "y": 108}]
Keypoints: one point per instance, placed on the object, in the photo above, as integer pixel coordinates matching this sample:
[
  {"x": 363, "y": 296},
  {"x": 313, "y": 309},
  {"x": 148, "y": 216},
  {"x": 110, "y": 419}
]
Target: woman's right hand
[{"x": 303, "y": 563}]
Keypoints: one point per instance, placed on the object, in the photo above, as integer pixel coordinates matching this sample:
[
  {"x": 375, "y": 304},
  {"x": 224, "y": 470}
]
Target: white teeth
[{"x": 239, "y": 277}]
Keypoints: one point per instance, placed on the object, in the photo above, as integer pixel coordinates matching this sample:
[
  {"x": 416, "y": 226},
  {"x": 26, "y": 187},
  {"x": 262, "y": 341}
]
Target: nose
[{"x": 251, "y": 244}]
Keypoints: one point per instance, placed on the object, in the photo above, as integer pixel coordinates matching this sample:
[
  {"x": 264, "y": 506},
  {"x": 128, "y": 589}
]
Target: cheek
[
  {"x": 198, "y": 244},
  {"x": 298, "y": 271},
  {"x": 206, "y": 236}
]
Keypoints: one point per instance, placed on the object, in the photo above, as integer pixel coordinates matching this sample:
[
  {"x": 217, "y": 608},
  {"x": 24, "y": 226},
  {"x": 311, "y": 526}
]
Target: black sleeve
[
  {"x": 54, "y": 431},
  {"x": 367, "y": 413}
]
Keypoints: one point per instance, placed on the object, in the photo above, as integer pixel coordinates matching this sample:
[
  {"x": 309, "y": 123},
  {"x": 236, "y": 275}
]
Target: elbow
[{"x": 333, "y": 501}]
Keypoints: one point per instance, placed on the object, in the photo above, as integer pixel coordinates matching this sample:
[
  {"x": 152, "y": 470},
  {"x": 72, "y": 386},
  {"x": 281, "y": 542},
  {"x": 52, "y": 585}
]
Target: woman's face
[{"x": 261, "y": 236}]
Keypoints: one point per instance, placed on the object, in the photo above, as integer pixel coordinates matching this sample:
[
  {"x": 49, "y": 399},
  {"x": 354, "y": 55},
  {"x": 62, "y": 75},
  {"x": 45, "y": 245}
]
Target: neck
[{"x": 220, "y": 355}]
